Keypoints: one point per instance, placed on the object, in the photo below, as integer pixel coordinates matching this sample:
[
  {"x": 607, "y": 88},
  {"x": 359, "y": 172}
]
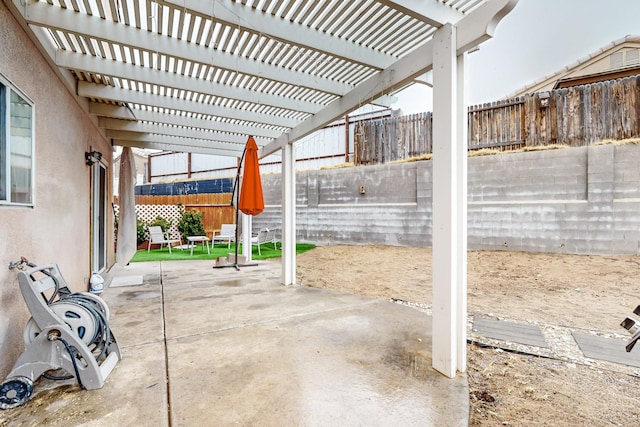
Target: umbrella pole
[
  {"x": 235, "y": 196},
  {"x": 235, "y": 259}
]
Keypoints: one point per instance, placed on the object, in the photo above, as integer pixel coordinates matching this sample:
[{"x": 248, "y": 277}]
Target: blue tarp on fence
[{"x": 209, "y": 186}]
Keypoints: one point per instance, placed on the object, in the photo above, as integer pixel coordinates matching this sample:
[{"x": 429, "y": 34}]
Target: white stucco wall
[{"x": 57, "y": 228}]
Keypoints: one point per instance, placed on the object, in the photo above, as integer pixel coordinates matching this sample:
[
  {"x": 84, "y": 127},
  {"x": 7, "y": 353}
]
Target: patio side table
[{"x": 202, "y": 239}]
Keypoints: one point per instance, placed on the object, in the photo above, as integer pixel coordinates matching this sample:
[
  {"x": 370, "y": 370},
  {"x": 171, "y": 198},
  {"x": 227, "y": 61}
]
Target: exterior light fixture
[{"x": 92, "y": 157}]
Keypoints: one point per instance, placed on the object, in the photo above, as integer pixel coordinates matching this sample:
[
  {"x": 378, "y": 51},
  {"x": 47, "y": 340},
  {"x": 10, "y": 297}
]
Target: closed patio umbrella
[
  {"x": 251, "y": 198},
  {"x": 127, "y": 217}
]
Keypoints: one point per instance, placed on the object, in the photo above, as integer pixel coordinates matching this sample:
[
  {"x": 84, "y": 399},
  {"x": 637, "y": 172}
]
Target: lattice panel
[{"x": 148, "y": 213}]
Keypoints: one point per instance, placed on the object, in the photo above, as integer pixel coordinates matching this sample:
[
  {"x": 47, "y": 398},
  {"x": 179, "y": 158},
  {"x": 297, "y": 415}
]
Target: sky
[{"x": 538, "y": 38}]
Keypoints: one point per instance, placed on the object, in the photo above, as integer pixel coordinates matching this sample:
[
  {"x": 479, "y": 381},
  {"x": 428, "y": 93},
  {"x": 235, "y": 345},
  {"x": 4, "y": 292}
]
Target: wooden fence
[
  {"x": 586, "y": 114},
  {"x": 574, "y": 116},
  {"x": 396, "y": 138},
  {"x": 498, "y": 125},
  {"x": 216, "y": 208}
]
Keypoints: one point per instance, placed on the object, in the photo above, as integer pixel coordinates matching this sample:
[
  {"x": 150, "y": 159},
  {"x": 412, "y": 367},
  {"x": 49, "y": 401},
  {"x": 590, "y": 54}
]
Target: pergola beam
[
  {"x": 157, "y": 129},
  {"x": 91, "y": 64},
  {"x": 93, "y": 90},
  {"x": 385, "y": 81},
  {"x": 43, "y": 15},
  {"x": 480, "y": 25},
  {"x": 254, "y": 20},
  {"x": 173, "y": 147},
  {"x": 431, "y": 12},
  {"x": 111, "y": 111},
  {"x": 223, "y": 148},
  {"x": 179, "y": 120}
]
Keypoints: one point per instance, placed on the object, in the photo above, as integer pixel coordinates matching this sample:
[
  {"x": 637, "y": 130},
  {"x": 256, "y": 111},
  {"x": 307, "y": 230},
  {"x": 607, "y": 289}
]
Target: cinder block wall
[{"x": 578, "y": 200}]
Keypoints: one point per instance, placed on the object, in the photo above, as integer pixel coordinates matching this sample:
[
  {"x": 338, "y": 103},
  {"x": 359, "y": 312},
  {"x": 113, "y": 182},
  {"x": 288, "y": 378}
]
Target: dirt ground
[{"x": 515, "y": 385}]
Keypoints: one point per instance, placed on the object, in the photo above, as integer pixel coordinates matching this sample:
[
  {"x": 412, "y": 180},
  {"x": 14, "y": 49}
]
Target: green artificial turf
[{"x": 220, "y": 250}]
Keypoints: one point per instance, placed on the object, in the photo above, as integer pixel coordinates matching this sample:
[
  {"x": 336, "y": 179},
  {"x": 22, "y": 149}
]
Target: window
[
  {"x": 632, "y": 57},
  {"x": 99, "y": 217},
  {"x": 16, "y": 146},
  {"x": 616, "y": 60}
]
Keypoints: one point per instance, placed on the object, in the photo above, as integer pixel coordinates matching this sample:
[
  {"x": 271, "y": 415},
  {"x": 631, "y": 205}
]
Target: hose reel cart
[{"x": 67, "y": 331}]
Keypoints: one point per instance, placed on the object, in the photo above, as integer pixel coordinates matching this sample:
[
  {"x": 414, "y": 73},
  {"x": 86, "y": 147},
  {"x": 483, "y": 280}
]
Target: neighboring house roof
[
  {"x": 620, "y": 58},
  {"x": 140, "y": 157},
  {"x": 138, "y": 154}
]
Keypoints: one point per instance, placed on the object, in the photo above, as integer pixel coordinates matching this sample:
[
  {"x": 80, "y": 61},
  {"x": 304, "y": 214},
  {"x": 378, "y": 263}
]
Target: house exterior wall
[
  {"x": 140, "y": 162},
  {"x": 582, "y": 200},
  {"x": 57, "y": 228}
]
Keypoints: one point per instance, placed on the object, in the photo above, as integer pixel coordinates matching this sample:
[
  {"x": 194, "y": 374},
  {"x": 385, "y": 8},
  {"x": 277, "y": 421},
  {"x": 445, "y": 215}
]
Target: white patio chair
[
  {"x": 265, "y": 235},
  {"x": 157, "y": 237},
  {"x": 227, "y": 234}
]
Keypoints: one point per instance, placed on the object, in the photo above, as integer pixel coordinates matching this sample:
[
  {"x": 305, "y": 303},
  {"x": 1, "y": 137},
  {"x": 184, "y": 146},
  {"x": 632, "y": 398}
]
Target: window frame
[
  {"x": 5, "y": 128},
  {"x": 99, "y": 187}
]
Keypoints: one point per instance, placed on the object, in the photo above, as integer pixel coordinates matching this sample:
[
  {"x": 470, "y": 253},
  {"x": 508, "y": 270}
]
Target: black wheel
[{"x": 15, "y": 392}]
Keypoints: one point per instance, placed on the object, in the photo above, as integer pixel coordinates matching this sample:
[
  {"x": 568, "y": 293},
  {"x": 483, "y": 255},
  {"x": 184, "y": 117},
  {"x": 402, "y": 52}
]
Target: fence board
[
  {"x": 389, "y": 139},
  {"x": 216, "y": 208}
]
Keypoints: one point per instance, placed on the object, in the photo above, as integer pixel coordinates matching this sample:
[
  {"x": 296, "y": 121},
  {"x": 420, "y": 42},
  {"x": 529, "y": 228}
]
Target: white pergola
[{"x": 200, "y": 76}]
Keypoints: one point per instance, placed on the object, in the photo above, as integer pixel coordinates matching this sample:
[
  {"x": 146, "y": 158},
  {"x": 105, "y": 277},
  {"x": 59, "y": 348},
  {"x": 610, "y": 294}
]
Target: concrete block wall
[
  {"x": 626, "y": 198},
  {"x": 582, "y": 200},
  {"x": 332, "y": 210}
]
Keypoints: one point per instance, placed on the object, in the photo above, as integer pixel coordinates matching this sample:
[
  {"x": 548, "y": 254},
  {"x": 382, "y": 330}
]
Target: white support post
[
  {"x": 462, "y": 218},
  {"x": 288, "y": 215},
  {"x": 446, "y": 212},
  {"x": 247, "y": 224}
]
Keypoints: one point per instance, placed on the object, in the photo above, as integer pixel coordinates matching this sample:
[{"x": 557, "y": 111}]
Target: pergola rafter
[
  {"x": 232, "y": 148},
  {"x": 143, "y": 128},
  {"x": 113, "y": 94},
  {"x": 281, "y": 27},
  {"x": 106, "y": 67},
  {"x": 206, "y": 123},
  {"x": 102, "y": 30}
]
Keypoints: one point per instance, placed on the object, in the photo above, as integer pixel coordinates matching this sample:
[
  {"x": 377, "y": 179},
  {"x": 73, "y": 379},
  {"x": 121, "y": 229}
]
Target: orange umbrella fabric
[{"x": 251, "y": 198}]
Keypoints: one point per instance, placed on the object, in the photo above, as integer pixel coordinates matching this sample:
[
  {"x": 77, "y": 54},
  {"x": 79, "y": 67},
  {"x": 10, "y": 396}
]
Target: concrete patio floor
[{"x": 220, "y": 347}]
